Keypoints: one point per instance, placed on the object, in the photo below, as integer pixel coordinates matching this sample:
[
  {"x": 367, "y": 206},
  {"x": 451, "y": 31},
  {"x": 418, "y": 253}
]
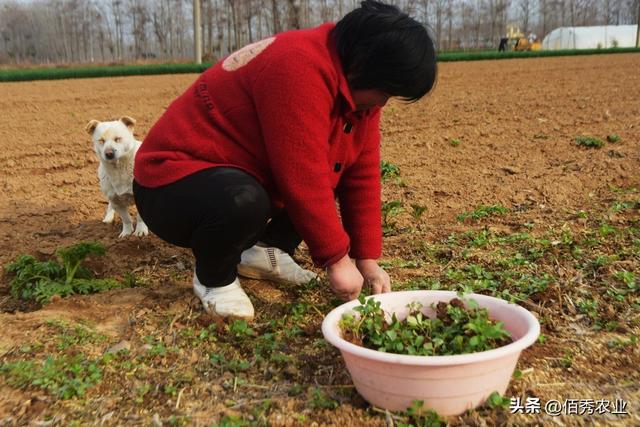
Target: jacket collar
[{"x": 343, "y": 85}]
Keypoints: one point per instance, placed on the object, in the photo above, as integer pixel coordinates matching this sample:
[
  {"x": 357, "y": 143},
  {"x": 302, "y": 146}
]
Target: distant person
[
  {"x": 503, "y": 44},
  {"x": 250, "y": 159}
]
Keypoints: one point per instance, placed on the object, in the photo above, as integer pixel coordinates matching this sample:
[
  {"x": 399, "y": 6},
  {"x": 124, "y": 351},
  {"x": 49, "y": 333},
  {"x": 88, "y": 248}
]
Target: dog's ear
[
  {"x": 91, "y": 126},
  {"x": 128, "y": 121}
]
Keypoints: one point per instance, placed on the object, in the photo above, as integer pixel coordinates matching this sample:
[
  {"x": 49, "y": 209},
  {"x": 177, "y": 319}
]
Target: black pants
[{"x": 218, "y": 213}]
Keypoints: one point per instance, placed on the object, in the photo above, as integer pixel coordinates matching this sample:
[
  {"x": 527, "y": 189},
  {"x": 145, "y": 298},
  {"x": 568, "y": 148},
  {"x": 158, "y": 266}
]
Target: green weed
[
  {"x": 234, "y": 365},
  {"x": 628, "y": 278},
  {"x": 74, "y": 335},
  {"x": 418, "y": 416},
  {"x": 388, "y": 170},
  {"x": 239, "y": 329},
  {"x": 614, "y": 138},
  {"x": 319, "y": 400},
  {"x": 567, "y": 360},
  {"x": 496, "y": 401},
  {"x": 457, "y": 329},
  {"x": 428, "y": 283},
  {"x": 589, "y": 142},
  {"x": 64, "y": 376},
  {"x": 483, "y": 211},
  {"x": 588, "y": 307},
  {"x": 619, "y": 206},
  {"x": 178, "y": 420},
  {"x": 623, "y": 344},
  {"x": 39, "y": 281},
  {"x": 606, "y": 230},
  {"x": 417, "y": 211},
  {"x": 390, "y": 210}
]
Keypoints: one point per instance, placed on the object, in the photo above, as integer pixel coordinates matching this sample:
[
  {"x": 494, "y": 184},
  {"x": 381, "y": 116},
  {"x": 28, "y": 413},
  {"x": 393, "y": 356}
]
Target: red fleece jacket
[{"x": 282, "y": 111}]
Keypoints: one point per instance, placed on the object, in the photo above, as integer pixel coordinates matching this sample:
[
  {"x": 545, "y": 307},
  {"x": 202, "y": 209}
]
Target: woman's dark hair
[{"x": 383, "y": 48}]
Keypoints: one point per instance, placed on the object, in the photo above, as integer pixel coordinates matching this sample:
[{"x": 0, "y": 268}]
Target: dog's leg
[
  {"x": 109, "y": 215},
  {"x": 141, "y": 227},
  {"x": 127, "y": 225}
]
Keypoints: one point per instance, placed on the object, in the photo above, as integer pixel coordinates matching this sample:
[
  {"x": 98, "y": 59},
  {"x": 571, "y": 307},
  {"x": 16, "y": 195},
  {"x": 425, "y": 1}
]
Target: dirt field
[{"x": 493, "y": 133}]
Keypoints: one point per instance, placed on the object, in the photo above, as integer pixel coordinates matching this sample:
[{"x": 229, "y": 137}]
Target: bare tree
[
  {"x": 450, "y": 24},
  {"x": 66, "y": 31},
  {"x": 478, "y": 21},
  {"x": 293, "y": 7},
  {"x": 140, "y": 18},
  {"x": 440, "y": 6},
  {"x": 275, "y": 17},
  {"x": 160, "y": 22},
  {"x": 525, "y": 14}
]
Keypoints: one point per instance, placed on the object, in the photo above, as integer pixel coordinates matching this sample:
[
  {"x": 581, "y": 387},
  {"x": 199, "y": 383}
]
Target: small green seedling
[
  {"x": 418, "y": 416},
  {"x": 455, "y": 142},
  {"x": 496, "y": 401},
  {"x": 483, "y": 211},
  {"x": 614, "y": 138},
  {"x": 389, "y": 210},
  {"x": 589, "y": 142},
  {"x": 388, "y": 170},
  {"x": 417, "y": 211}
]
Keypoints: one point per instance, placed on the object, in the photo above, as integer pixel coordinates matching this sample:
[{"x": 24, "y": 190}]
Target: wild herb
[
  {"x": 417, "y": 210},
  {"x": 390, "y": 210},
  {"x": 458, "y": 328},
  {"x": 388, "y": 170},
  {"x": 63, "y": 376},
  {"x": 589, "y": 141},
  {"x": 40, "y": 280}
]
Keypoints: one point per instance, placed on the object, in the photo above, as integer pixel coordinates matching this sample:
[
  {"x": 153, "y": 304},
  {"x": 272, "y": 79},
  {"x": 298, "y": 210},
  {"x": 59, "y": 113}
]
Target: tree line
[{"x": 117, "y": 31}]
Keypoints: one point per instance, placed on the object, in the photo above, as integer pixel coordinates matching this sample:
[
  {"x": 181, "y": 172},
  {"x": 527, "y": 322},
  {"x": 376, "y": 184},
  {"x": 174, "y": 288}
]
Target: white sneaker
[
  {"x": 274, "y": 264},
  {"x": 225, "y": 301}
]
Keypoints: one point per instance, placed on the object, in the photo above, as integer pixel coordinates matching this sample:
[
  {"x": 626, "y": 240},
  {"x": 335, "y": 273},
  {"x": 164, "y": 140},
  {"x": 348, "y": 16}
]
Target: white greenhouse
[{"x": 599, "y": 37}]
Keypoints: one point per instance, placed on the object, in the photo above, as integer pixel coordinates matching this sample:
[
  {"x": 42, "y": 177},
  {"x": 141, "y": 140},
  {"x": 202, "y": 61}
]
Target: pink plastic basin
[{"x": 448, "y": 385}]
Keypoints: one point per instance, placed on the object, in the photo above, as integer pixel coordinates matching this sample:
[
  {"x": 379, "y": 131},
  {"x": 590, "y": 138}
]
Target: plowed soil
[{"x": 492, "y": 133}]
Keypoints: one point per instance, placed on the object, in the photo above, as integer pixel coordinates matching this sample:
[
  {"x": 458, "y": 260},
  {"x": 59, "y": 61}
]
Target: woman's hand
[
  {"x": 345, "y": 279},
  {"x": 374, "y": 276}
]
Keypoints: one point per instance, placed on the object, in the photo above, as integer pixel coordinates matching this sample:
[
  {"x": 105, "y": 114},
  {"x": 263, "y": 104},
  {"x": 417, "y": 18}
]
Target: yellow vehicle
[
  {"x": 523, "y": 44},
  {"x": 516, "y": 40}
]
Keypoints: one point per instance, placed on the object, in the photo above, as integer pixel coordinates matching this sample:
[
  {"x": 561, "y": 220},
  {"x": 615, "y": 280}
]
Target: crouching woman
[{"x": 249, "y": 161}]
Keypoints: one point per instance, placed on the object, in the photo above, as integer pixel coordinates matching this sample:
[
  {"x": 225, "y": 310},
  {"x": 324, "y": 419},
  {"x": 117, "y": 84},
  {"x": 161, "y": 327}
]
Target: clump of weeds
[
  {"x": 63, "y": 376},
  {"x": 41, "y": 280},
  {"x": 459, "y": 327},
  {"x": 589, "y": 141}
]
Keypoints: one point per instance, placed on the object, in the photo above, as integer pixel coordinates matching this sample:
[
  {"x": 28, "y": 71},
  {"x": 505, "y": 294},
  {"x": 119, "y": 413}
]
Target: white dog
[{"x": 116, "y": 148}]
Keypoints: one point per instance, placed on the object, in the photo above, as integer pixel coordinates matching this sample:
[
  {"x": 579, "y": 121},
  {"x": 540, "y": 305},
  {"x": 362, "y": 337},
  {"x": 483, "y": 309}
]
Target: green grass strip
[
  {"x": 29, "y": 74},
  {"x": 492, "y": 54},
  {"x": 17, "y": 75}
]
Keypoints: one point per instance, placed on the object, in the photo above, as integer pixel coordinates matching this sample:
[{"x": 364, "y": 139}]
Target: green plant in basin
[{"x": 459, "y": 327}]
